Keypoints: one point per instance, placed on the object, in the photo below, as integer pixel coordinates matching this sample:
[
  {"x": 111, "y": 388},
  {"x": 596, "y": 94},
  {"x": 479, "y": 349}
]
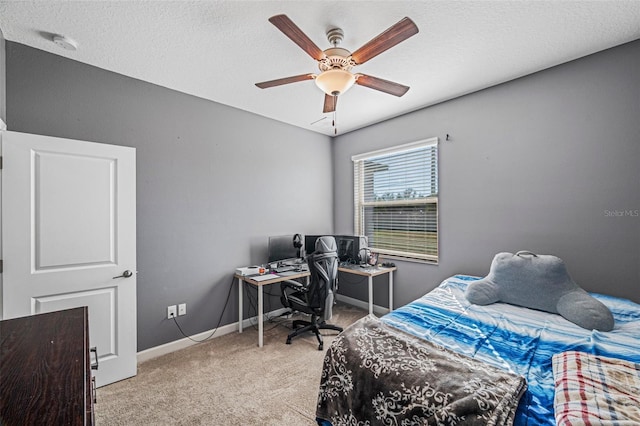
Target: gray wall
[
  {"x": 3, "y": 69},
  {"x": 212, "y": 181},
  {"x": 533, "y": 164}
]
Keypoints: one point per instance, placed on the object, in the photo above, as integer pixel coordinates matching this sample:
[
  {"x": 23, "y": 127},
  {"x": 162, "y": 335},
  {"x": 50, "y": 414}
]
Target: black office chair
[{"x": 316, "y": 298}]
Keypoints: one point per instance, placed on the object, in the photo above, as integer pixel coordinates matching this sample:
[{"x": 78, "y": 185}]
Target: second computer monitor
[
  {"x": 310, "y": 244},
  {"x": 349, "y": 247}
]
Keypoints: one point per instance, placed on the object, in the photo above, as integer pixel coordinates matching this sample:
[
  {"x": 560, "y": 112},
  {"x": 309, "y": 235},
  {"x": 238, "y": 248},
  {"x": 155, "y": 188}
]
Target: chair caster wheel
[
  {"x": 288, "y": 341},
  {"x": 320, "y": 346}
]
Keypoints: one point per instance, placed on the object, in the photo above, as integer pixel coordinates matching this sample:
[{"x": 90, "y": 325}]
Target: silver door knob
[{"x": 125, "y": 274}]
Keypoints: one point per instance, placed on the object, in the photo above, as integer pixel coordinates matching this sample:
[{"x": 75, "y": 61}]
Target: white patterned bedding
[{"x": 377, "y": 374}]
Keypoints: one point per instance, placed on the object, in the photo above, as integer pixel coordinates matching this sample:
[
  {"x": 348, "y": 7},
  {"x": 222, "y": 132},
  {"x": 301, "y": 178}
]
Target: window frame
[{"x": 360, "y": 205}]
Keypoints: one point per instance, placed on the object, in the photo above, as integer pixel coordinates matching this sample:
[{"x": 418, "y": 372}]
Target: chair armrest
[{"x": 293, "y": 284}]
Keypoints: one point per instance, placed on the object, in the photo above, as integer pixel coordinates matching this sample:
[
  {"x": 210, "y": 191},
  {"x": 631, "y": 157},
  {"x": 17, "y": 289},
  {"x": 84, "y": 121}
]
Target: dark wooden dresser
[{"x": 45, "y": 369}]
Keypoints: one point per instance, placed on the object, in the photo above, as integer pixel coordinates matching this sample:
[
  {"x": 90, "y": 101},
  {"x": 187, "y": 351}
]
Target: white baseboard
[
  {"x": 378, "y": 310},
  {"x": 176, "y": 345}
]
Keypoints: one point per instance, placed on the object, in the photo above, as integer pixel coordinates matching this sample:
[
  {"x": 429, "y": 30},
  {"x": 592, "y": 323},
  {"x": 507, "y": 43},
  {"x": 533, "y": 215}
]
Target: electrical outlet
[
  {"x": 171, "y": 311},
  {"x": 182, "y": 309}
]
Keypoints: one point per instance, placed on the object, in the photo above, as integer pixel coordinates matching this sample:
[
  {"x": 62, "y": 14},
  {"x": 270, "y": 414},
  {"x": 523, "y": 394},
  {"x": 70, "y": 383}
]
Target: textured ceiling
[{"x": 217, "y": 50}]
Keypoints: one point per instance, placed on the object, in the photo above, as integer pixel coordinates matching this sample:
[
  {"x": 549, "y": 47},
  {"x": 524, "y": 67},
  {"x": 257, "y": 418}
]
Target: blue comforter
[{"x": 516, "y": 339}]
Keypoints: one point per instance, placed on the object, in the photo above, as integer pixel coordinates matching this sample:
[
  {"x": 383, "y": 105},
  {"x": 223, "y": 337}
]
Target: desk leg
[
  {"x": 260, "y": 310},
  {"x": 390, "y": 291},
  {"x": 240, "y": 305},
  {"x": 370, "y": 294}
]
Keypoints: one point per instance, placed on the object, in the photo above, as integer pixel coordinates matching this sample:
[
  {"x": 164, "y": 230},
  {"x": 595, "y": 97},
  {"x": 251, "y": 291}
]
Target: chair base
[{"x": 302, "y": 326}]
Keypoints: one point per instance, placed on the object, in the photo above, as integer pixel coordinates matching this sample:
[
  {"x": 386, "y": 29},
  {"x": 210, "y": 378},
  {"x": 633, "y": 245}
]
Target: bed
[{"x": 517, "y": 341}]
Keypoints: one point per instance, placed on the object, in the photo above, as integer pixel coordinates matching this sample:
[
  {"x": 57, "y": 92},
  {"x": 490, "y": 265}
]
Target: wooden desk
[
  {"x": 370, "y": 272},
  {"x": 45, "y": 369},
  {"x": 259, "y": 284}
]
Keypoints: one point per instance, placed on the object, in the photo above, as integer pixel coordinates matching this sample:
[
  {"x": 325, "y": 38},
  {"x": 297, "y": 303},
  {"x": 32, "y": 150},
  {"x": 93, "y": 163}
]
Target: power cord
[
  {"x": 226, "y": 303},
  {"x": 217, "y": 325}
]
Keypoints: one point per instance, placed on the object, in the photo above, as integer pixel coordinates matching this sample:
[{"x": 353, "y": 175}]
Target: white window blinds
[{"x": 396, "y": 200}]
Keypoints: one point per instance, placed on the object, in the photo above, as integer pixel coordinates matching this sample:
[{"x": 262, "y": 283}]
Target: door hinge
[
  {"x": 1, "y": 266},
  {"x": 0, "y": 162}
]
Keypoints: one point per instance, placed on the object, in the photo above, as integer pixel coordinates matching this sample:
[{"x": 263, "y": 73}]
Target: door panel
[
  {"x": 68, "y": 228},
  {"x": 102, "y": 315},
  {"x": 75, "y": 213}
]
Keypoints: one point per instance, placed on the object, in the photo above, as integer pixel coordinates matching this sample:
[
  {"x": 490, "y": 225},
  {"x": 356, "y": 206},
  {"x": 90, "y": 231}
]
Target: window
[{"x": 396, "y": 200}]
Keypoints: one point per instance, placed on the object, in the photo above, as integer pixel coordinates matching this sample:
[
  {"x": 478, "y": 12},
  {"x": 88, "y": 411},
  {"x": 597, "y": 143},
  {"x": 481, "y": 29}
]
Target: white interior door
[{"x": 69, "y": 228}]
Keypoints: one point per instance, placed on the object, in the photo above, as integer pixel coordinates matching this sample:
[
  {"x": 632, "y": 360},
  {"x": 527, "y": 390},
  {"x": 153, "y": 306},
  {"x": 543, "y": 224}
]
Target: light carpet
[{"x": 227, "y": 380}]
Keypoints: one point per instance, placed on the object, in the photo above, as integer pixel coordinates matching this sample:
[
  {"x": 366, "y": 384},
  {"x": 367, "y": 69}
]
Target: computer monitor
[
  {"x": 281, "y": 248},
  {"x": 310, "y": 244},
  {"x": 349, "y": 247}
]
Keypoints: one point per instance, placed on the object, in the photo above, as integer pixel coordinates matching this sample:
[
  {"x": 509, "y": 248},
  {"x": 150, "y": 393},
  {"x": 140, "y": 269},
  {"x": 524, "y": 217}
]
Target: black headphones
[{"x": 297, "y": 241}]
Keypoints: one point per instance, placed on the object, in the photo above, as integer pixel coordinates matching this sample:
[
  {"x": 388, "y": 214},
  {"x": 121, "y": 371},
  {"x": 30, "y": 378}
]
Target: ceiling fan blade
[
  {"x": 330, "y": 103},
  {"x": 382, "y": 85},
  {"x": 291, "y": 30},
  {"x": 286, "y": 80},
  {"x": 395, "y": 34}
]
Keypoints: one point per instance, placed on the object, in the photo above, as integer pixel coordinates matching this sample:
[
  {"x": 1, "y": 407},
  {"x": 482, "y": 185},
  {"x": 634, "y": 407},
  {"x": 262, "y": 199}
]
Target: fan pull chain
[
  {"x": 335, "y": 129},
  {"x": 335, "y": 115}
]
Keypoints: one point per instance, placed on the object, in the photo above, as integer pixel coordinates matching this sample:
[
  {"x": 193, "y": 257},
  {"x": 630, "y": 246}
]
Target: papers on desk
[{"x": 264, "y": 277}]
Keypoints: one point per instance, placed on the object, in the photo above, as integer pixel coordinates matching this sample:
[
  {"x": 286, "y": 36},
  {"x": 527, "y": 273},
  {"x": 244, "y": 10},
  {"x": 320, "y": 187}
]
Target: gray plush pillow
[{"x": 539, "y": 282}]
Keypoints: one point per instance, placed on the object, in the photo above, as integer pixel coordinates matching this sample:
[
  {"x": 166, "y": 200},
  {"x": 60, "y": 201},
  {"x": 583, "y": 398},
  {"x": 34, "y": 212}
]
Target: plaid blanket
[
  {"x": 591, "y": 389},
  {"x": 374, "y": 374}
]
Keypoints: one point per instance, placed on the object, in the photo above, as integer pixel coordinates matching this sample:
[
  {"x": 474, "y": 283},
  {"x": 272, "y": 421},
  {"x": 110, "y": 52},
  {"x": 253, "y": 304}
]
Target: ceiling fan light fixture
[{"x": 335, "y": 82}]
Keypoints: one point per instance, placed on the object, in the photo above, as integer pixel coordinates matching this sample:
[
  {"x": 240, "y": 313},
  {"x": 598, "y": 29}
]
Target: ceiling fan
[{"x": 336, "y": 63}]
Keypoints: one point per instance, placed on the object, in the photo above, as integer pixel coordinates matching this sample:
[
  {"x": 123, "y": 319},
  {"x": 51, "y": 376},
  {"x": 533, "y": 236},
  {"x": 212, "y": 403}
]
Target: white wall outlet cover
[{"x": 171, "y": 311}]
